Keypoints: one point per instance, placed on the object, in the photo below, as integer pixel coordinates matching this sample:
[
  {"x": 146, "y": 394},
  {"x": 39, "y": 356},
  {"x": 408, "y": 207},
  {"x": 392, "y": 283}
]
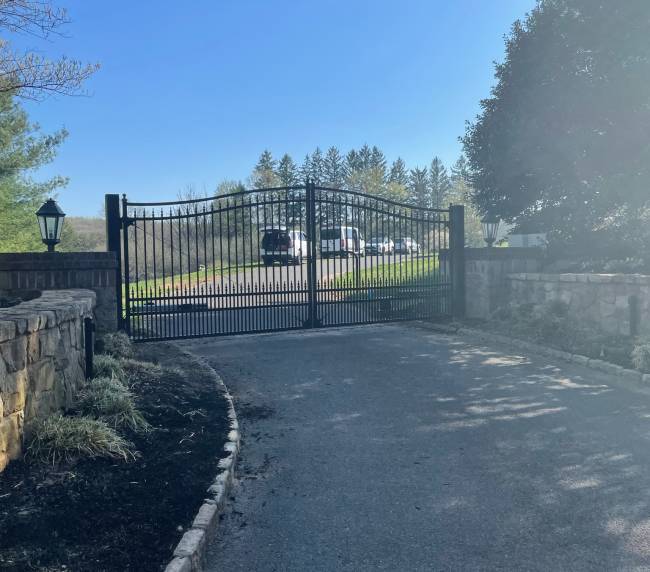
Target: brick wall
[
  {"x": 66, "y": 270},
  {"x": 42, "y": 361}
]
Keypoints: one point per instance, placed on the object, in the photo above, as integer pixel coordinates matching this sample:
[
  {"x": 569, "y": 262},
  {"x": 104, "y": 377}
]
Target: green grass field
[
  {"x": 407, "y": 271},
  {"x": 187, "y": 279}
]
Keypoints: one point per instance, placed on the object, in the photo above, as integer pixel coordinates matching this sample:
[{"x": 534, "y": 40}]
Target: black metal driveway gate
[{"x": 280, "y": 259}]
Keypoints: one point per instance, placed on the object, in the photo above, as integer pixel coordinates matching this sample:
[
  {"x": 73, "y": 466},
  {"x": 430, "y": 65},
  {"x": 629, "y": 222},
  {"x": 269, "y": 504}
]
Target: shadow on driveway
[{"x": 392, "y": 448}]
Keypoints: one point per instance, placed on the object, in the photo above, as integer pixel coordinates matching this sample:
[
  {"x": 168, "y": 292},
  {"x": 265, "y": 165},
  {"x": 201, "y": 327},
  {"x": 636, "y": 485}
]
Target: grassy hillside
[{"x": 83, "y": 234}]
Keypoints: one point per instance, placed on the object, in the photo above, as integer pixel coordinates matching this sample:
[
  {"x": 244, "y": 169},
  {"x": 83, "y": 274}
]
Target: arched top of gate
[
  {"x": 380, "y": 199},
  {"x": 361, "y": 196}
]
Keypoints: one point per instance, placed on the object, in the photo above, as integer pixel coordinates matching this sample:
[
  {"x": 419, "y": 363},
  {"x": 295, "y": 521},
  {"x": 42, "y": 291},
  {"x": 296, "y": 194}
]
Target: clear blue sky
[{"x": 192, "y": 92}]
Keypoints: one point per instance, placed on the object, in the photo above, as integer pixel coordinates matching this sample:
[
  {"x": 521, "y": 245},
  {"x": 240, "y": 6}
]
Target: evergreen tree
[
  {"x": 317, "y": 166},
  {"x": 264, "y": 175},
  {"x": 398, "y": 173},
  {"x": 365, "y": 157},
  {"x": 352, "y": 167},
  {"x": 378, "y": 160},
  {"x": 287, "y": 171},
  {"x": 333, "y": 168},
  {"x": 419, "y": 187},
  {"x": 439, "y": 184},
  {"x": 305, "y": 169},
  {"x": 460, "y": 193},
  {"x": 396, "y": 191},
  {"x": 22, "y": 150},
  {"x": 460, "y": 170}
]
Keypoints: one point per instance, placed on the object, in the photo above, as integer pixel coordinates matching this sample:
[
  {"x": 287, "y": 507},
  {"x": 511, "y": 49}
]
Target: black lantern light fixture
[
  {"x": 490, "y": 226},
  {"x": 50, "y": 221}
]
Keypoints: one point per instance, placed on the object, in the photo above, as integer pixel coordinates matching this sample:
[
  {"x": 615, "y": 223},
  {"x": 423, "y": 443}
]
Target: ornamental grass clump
[
  {"x": 105, "y": 398},
  {"x": 140, "y": 373},
  {"x": 105, "y": 365},
  {"x": 59, "y": 438},
  {"x": 116, "y": 344}
]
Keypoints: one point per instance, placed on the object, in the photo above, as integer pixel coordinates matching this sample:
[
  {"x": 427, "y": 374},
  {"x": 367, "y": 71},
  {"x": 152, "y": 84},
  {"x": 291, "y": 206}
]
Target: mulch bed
[{"x": 101, "y": 515}]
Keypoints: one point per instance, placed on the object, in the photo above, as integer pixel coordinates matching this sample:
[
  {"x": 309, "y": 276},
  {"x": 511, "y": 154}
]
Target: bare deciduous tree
[{"x": 31, "y": 75}]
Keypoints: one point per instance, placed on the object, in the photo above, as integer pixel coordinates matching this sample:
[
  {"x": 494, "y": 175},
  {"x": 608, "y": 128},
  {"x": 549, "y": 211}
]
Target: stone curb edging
[
  {"x": 190, "y": 551},
  {"x": 595, "y": 364}
]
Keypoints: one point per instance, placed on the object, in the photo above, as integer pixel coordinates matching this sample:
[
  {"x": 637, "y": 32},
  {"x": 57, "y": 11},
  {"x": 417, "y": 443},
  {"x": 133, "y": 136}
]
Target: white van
[
  {"x": 341, "y": 240},
  {"x": 278, "y": 244}
]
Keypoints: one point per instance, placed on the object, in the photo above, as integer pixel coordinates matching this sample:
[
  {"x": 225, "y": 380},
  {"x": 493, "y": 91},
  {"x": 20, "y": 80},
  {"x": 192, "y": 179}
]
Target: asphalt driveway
[{"x": 393, "y": 448}]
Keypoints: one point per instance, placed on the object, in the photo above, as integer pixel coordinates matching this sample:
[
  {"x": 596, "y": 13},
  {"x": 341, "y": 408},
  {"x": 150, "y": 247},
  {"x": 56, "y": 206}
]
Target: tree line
[{"x": 367, "y": 170}]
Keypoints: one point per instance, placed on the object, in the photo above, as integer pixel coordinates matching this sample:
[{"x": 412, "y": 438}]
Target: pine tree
[
  {"x": 22, "y": 150},
  {"x": 317, "y": 166},
  {"x": 398, "y": 173},
  {"x": 333, "y": 168},
  {"x": 365, "y": 157},
  {"x": 352, "y": 167},
  {"x": 439, "y": 184},
  {"x": 378, "y": 160},
  {"x": 419, "y": 187},
  {"x": 287, "y": 171},
  {"x": 305, "y": 169},
  {"x": 460, "y": 171},
  {"x": 264, "y": 175}
]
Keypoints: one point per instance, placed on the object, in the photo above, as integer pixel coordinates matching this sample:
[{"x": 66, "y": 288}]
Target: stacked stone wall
[
  {"x": 617, "y": 304},
  {"x": 42, "y": 361}
]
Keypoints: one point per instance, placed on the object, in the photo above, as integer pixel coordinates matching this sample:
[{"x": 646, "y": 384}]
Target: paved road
[{"x": 393, "y": 448}]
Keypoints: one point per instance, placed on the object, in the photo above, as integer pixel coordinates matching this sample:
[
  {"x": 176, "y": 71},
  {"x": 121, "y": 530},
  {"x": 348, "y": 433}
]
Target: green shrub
[
  {"x": 641, "y": 356},
  {"x": 141, "y": 372},
  {"x": 117, "y": 345},
  {"x": 107, "y": 399},
  {"x": 105, "y": 365},
  {"x": 59, "y": 438}
]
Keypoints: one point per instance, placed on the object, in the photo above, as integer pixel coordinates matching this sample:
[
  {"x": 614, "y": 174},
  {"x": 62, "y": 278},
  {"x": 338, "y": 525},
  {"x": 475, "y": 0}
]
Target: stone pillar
[
  {"x": 486, "y": 272},
  {"x": 64, "y": 271}
]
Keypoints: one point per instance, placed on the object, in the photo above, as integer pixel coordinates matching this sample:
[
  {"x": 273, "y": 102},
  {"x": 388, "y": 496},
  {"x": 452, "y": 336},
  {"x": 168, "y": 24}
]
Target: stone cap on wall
[
  {"x": 13, "y": 261},
  {"x": 591, "y": 278},
  {"x": 50, "y": 308}
]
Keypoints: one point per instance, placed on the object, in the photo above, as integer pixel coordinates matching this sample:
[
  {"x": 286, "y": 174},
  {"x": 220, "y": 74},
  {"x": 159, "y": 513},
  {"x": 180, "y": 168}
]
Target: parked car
[
  {"x": 341, "y": 240},
  {"x": 407, "y": 246},
  {"x": 380, "y": 246},
  {"x": 281, "y": 245}
]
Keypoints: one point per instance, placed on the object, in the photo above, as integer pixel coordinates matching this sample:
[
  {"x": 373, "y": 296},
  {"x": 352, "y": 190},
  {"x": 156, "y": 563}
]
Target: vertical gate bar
[
  {"x": 259, "y": 301},
  {"x": 302, "y": 208},
  {"x": 249, "y": 297},
  {"x": 163, "y": 300},
  {"x": 127, "y": 275},
  {"x": 214, "y": 278},
  {"x": 156, "y": 290},
  {"x": 137, "y": 265},
  {"x": 266, "y": 312},
  {"x": 174, "y": 304},
  {"x": 187, "y": 296},
  {"x": 457, "y": 256},
  {"x": 286, "y": 292},
  {"x": 114, "y": 244},
  {"x": 311, "y": 270}
]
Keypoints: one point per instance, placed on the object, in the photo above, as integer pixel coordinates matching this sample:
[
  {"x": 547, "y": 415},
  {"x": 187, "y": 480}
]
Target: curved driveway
[{"x": 394, "y": 448}]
